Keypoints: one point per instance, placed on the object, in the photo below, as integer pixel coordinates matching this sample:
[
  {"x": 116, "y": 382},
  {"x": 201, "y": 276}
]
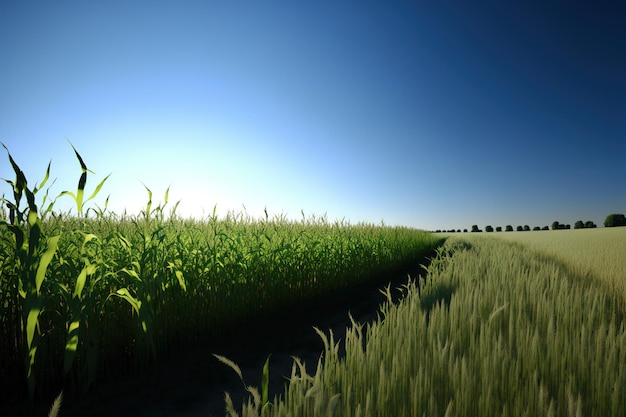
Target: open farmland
[
  {"x": 598, "y": 254},
  {"x": 89, "y": 298},
  {"x": 494, "y": 330}
]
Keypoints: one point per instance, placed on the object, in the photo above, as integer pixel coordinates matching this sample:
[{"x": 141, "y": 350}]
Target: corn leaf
[
  {"x": 45, "y": 259},
  {"x": 181, "y": 280},
  {"x": 125, "y": 294},
  {"x": 70, "y": 346},
  {"x": 32, "y": 319},
  {"x": 45, "y": 180},
  {"x": 82, "y": 279},
  {"x": 98, "y": 188}
]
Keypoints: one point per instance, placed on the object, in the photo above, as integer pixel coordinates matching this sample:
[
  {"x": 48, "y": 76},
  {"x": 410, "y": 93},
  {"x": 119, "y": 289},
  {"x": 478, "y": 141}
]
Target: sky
[{"x": 432, "y": 115}]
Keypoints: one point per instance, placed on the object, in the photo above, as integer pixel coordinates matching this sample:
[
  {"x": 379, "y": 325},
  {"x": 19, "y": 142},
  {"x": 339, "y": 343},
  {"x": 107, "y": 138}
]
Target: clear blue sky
[{"x": 429, "y": 115}]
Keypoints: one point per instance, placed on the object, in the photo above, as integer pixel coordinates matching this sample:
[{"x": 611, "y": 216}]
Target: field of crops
[
  {"x": 497, "y": 328},
  {"x": 595, "y": 254},
  {"x": 533, "y": 327},
  {"x": 84, "y": 298}
]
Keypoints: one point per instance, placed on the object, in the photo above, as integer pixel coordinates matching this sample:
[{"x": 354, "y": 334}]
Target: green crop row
[
  {"x": 89, "y": 297},
  {"x": 494, "y": 330}
]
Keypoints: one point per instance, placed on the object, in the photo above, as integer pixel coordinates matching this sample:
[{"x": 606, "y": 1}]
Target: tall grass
[
  {"x": 495, "y": 330},
  {"x": 94, "y": 294},
  {"x": 595, "y": 254}
]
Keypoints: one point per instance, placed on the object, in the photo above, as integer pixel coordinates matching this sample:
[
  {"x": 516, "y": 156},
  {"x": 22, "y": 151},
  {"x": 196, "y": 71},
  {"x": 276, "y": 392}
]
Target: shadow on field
[
  {"x": 192, "y": 382},
  {"x": 440, "y": 294}
]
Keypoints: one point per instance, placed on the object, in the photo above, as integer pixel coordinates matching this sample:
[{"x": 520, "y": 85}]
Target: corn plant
[
  {"x": 79, "y": 195},
  {"x": 29, "y": 295},
  {"x": 32, "y": 255}
]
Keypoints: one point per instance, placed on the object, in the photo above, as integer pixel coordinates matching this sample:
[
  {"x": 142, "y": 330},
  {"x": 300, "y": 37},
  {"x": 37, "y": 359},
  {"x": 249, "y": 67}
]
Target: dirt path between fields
[{"x": 193, "y": 382}]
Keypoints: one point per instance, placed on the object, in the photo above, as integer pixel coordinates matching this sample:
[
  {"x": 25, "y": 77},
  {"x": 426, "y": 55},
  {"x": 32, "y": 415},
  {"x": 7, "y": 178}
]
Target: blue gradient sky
[{"x": 433, "y": 116}]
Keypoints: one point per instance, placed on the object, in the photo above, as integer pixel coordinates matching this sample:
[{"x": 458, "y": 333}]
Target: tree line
[{"x": 612, "y": 220}]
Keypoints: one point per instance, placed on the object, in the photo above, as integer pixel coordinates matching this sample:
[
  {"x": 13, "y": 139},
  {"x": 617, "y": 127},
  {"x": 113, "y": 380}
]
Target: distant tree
[
  {"x": 509, "y": 228},
  {"x": 567, "y": 226},
  {"x": 475, "y": 228},
  {"x": 545, "y": 228},
  {"x": 458, "y": 230},
  {"x": 498, "y": 228},
  {"x": 590, "y": 225},
  {"x": 579, "y": 225},
  {"x": 464, "y": 230},
  {"x": 614, "y": 220},
  {"x": 536, "y": 228},
  {"x": 526, "y": 228},
  {"x": 488, "y": 229},
  {"x": 520, "y": 229},
  {"x": 556, "y": 225}
]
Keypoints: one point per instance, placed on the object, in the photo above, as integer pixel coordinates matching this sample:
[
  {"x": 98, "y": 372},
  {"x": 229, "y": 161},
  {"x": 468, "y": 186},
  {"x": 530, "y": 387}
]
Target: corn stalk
[{"x": 33, "y": 253}]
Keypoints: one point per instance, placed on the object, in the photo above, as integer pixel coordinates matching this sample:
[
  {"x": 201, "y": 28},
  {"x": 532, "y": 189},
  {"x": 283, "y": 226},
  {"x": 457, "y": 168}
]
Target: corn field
[{"x": 95, "y": 295}]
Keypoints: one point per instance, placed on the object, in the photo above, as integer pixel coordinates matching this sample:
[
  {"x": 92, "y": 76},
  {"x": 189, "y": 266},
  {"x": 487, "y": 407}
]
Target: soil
[{"x": 192, "y": 383}]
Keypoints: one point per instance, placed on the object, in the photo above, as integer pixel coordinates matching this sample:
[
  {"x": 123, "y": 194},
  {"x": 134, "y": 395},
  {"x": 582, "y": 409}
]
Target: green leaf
[
  {"x": 181, "y": 280},
  {"x": 33, "y": 241},
  {"x": 30, "y": 198},
  {"x": 71, "y": 345},
  {"x": 125, "y": 294},
  {"x": 80, "y": 160},
  {"x": 80, "y": 193},
  {"x": 88, "y": 238},
  {"x": 32, "y": 319},
  {"x": 44, "y": 181},
  {"x": 45, "y": 259},
  {"x": 131, "y": 273},
  {"x": 98, "y": 188},
  {"x": 71, "y": 194},
  {"x": 20, "y": 182},
  {"x": 80, "y": 282},
  {"x": 32, "y": 216},
  {"x": 149, "y": 204},
  {"x": 175, "y": 208}
]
